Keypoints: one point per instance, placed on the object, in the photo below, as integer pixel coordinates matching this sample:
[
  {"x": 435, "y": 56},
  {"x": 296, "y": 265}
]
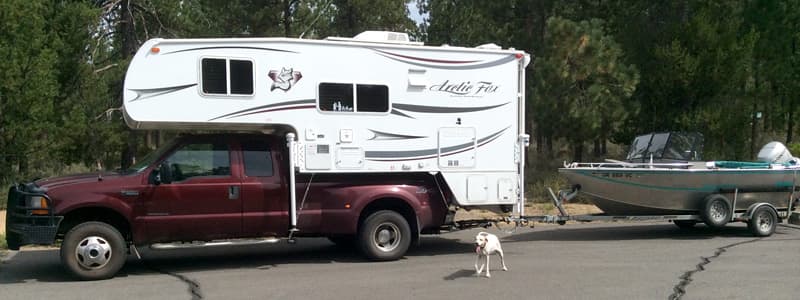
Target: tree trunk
[
  {"x": 577, "y": 154},
  {"x": 129, "y": 46},
  {"x": 287, "y": 17},
  {"x": 789, "y": 125},
  {"x": 604, "y": 146}
]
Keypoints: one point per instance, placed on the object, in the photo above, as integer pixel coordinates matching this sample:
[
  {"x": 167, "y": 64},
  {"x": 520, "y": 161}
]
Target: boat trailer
[{"x": 762, "y": 218}]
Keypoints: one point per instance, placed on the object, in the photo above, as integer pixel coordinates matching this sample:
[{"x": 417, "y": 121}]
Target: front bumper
[{"x": 23, "y": 227}]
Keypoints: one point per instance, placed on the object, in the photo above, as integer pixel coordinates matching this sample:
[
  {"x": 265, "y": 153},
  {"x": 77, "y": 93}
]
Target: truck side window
[
  {"x": 257, "y": 159},
  {"x": 202, "y": 159}
]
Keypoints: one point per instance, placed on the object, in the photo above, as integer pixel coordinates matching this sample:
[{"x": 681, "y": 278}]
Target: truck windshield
[{"x": 150, "y": 158}]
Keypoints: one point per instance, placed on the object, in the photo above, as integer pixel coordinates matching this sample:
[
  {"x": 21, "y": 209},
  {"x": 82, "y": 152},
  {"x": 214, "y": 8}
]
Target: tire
[
  {"x": 717, "y": 211},
  {"x": 384, "y": 235},
  {"x": 684, "y": 224},
  {"x": 93, "y": 251},
  {"x": 763, "y": 221}
]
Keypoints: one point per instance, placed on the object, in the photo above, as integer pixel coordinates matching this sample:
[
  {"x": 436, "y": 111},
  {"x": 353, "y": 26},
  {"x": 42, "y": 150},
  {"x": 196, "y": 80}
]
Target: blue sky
[{"x": 413, "y": 11}]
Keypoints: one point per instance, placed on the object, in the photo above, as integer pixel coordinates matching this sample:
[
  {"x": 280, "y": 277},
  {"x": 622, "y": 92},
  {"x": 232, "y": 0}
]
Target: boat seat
[{"x": 724, "y": 164}]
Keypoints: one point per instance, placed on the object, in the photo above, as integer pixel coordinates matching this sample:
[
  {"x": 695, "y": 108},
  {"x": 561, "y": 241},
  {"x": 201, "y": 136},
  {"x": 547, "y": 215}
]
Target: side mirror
[
  {"x": 155, "y": 177},
  {"x": 162, "y": 174},
  {"x": 165, "y": 173}
]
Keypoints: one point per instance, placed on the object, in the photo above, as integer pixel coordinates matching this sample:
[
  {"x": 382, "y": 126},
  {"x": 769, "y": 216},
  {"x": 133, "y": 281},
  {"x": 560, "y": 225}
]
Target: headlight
[
  {"x": 36, "y": 202},
  {"x": 38, "y": 205}
]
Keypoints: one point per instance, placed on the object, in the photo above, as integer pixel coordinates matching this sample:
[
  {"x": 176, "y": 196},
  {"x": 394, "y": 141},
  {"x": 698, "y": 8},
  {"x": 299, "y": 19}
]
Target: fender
[
  {"x": 371, "y": 195},
  {"x": 755, "y": 206},
  {"x": 120, "y": 206}
]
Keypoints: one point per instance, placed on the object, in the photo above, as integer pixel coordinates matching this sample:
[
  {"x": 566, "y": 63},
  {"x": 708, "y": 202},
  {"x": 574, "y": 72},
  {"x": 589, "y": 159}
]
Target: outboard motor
[{"x": 776, "y": 153}]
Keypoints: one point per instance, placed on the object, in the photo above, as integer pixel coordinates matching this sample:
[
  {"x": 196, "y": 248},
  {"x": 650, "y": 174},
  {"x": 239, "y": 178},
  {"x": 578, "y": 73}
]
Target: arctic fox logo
[{"x": 284, "y": 79}]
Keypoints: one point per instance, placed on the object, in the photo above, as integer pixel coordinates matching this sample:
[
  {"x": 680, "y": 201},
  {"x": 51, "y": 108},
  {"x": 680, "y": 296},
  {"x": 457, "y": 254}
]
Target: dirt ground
[{"x": 537, "y": 209}]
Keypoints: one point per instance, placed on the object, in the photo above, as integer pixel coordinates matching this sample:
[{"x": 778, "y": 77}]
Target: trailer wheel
[
  {"x": 684, "y": 224},
  {"x": 93, "y": 251},
  {"x": 717, "y": 211},
  {"x": 384, "y": 235},
  {"x": 763, "y": 221}
]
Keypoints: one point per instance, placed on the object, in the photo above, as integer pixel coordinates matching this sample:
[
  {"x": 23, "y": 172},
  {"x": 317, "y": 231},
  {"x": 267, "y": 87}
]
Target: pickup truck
[{"x": 218, "y": 189}]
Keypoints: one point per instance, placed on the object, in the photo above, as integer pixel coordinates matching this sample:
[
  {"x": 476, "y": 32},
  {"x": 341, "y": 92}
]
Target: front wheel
[
  {"x": 763, "y": 221},
  {"x": 93, "y": 251},
  {"x": 717, "y": 211},
  {"x": 384, "y": 235}
]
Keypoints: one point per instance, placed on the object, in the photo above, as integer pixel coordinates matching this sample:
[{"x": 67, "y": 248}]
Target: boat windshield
[{"x": 669, "y": 146}]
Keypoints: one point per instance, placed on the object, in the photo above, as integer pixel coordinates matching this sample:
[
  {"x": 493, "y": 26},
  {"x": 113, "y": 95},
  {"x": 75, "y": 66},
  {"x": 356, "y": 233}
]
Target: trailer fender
[{"x": 752, "y": 209}]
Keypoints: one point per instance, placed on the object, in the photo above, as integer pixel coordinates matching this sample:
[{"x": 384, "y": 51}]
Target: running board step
[{"x": 237, "y": 242}]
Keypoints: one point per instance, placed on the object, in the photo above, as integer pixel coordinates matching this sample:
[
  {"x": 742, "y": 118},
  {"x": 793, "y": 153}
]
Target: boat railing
[{"x": 622, "y": 164}]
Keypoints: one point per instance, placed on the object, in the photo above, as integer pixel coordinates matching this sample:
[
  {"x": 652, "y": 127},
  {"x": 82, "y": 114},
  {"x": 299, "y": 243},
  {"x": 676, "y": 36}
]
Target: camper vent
[{"x": 379, "y": 37}]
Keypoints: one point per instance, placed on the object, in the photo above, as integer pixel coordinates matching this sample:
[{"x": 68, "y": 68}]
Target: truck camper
[{"x": 375, "y": 103}]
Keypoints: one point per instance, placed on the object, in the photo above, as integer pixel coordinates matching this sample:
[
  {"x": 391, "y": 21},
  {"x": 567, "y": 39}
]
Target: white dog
[{"x": 487, "y": 244}]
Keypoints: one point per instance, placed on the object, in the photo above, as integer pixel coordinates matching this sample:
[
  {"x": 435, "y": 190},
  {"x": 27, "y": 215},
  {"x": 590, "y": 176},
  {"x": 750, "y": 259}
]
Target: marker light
[
  {"x": 37, "y": 202},
  {"x": 155, "y": 50}
]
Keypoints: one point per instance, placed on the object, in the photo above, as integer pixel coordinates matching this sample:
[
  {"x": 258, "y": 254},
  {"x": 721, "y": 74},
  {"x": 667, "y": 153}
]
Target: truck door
[
  {"x": 264, "y": 206},
  {"x": 203, "y": 198}
]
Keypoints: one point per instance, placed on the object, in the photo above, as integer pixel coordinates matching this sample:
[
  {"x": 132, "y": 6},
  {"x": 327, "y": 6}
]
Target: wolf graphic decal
[{"x": 285, "y": 79}]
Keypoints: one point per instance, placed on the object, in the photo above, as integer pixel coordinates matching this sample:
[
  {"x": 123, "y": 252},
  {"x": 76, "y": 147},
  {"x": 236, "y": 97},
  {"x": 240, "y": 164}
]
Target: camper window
[
  {"x": 214, "y": 76},
  {"x": 226, "y": 76},
  {"x": 241, "y": 77},
  {"x": 372, "y": 98},
  {"x": 336, "y": 97},
  {"x": 339, "y": 97}
]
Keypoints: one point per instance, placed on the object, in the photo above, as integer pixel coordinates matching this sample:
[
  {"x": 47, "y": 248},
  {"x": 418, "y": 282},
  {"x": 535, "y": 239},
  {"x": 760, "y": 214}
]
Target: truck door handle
[{"x": 233, "y": 192}]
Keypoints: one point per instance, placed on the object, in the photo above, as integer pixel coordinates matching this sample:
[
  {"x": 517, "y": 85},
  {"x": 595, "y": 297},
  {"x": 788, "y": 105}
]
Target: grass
[{"x": 3, "y": 245}]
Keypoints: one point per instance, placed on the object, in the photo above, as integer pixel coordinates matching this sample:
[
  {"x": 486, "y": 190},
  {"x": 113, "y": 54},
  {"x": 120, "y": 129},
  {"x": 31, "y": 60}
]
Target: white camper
[{"x": 375, "y": 103}]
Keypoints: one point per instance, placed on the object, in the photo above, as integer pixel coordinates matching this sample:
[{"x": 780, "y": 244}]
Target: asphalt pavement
[{"x": 652, "y": 260}]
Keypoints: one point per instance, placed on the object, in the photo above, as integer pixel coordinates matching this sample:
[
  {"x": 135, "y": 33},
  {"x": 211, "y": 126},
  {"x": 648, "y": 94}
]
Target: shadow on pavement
[
  {"x": 629, "y": 232},
  {"x": 39, "y": 265},
  {"x": 44, "y": 265},
  {"x": 463, "y": 273}
]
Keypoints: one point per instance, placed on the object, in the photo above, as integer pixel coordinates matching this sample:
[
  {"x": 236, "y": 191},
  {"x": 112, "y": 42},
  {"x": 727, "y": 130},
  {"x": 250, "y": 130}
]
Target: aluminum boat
[{"x": 663, "y": 175}]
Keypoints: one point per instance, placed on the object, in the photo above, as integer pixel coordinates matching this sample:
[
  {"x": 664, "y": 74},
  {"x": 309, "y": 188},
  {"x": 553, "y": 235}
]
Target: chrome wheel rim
[
  {"x": 93, "y": 252},
  {"x": 764, "y": 221},
  {"x": 718, "y": 211},
  {"x": 386, "y": 237}
]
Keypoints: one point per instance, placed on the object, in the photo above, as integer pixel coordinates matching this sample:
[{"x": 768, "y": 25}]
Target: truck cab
[{"x": 218, "y": 189}]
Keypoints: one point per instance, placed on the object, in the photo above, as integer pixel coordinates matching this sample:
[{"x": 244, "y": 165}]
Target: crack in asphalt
[
  {"x": 194, "y": 287},
  {"x": 680, "y": 289}
]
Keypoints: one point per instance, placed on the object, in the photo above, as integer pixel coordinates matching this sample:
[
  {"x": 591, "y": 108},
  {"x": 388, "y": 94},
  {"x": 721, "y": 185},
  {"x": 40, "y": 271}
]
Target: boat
[{"x": 663, "y": 174}]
